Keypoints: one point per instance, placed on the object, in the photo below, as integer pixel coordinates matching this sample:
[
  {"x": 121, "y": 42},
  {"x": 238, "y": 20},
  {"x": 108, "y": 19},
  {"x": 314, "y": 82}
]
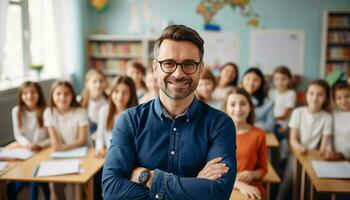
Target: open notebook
[
  {"x": 74, "y": 153},
  {"x": 15, "y": 154},
  {"x": 328, "y": 169},
  {"x": 57, "y": 167},
  {"x": 3, "y": 165}
]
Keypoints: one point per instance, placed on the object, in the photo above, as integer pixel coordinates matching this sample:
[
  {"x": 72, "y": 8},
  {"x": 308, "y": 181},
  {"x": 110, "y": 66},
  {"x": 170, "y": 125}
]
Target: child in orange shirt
[{"x": 251, "y": 145}]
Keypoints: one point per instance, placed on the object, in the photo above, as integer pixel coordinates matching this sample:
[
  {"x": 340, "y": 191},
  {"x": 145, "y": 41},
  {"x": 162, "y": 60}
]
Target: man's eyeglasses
[{"x": 169, "y": 66}]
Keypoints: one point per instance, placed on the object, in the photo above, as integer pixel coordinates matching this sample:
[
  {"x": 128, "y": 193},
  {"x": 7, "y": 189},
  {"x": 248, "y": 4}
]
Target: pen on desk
[{"x": 35, "y": 171}]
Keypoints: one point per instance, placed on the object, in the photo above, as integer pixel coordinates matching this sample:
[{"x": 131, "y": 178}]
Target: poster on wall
[
  {"x": 272, "y": 48},
  {"x": 220, "y": 48}
]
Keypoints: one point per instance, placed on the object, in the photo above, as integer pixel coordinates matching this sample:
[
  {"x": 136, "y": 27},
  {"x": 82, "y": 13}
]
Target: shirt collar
[{"x": 189, "y": 112}]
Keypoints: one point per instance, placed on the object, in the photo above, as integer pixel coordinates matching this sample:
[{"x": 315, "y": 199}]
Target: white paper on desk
[
  {"x": 58, "y": 167},
  {"x": 327, "y": 169},
  {"x": 3, "y": 165},
  {"x": 15, "y": 153},
  {"x": 74, "y": 153}
]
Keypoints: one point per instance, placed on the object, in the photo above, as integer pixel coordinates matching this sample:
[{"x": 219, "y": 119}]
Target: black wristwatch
[{"x": 144, "y": 176}]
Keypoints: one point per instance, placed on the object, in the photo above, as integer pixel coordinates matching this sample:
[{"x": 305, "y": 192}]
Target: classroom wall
[{"x": 274, "y": 14}]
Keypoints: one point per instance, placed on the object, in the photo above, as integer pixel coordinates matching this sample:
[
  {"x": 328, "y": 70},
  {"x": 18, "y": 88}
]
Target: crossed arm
[{"x": 214, "y": 181}]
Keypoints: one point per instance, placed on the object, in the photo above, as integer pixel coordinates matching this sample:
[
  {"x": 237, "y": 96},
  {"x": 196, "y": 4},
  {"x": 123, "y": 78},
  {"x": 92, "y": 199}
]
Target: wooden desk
[
  {"x": 270, "y": 177},
  {"x": 311, "y": 184},
  {"x": 89, "y": 165},
  {"x": 271, "y": 140}
]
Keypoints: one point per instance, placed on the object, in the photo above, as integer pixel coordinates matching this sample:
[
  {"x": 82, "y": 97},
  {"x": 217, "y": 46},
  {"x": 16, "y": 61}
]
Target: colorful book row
[
  {"x": 110, "y": 49},
  {"x": 339, "y": 21},
  {"x": 338, "y": 53},
  {"x": 339, "y": 36}
]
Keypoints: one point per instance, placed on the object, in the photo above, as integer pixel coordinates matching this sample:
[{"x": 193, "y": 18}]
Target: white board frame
[{"x": 268, "y": 68}]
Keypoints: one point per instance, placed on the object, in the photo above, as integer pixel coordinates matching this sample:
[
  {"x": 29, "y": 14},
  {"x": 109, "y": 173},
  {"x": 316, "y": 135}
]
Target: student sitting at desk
[
  {"x": 226, "y": 80},
  {"x": 122, "y": 97},
  {"x": 251, "y": 145},
  {"x": 309, "y": 126},
  {"x": 93, "y": 97},
  {"x": 341, "y": 117},
  {"x": 254, "y": 83},
  {"x": 28, "y": 129},
  {"x": 66, "y": 122},
  {"x": 205, "y": 89}
]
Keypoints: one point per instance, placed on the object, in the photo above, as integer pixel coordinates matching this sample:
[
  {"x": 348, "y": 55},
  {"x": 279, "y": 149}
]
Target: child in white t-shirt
[
  {"x": 341, "y": 117},
  {"x": 284, "y": 100},
  {"x": 94, "y": 97},
  {"x": 283, "y": 97},
  {"x": 310, "y": 129},
  {"x": 29, "y": 130},
  {"x": 123, "y": 96},
  {"x": 66, "y": 122}
]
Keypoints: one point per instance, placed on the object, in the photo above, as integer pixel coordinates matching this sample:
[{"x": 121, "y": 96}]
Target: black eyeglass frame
[{"x": 177, "y": 64}]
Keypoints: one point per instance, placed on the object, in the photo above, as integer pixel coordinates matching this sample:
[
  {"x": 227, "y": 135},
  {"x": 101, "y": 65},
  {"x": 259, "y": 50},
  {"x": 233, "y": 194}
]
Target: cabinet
[
  {"x": 335, "y": 42},
  {"x": 110, "y": 53}
]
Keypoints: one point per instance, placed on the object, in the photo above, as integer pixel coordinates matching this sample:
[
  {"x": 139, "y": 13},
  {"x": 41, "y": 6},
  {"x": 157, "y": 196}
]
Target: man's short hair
[{"x": 180, "y": 33}]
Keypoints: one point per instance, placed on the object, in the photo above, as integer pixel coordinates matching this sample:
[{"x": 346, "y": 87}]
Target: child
[
  {"x": 251, "y": 145},
  {"x": 66, "y": 122},
  {"x": 28, "y": 129},
  {"x": 123, "y": 96},
  {"x": 152, "y": 87},
  {"x": 284, "y": 99},
  {"x": 309, "y": 126},
  {"x": 205, "y": 89},
  {"x": 254, "y": 83},
  {"x": 341, "y": 117},
  {"x": 93, "y": 96},
  {"x": 227, "y": 80},
  {"x": 136, "y": 71}
]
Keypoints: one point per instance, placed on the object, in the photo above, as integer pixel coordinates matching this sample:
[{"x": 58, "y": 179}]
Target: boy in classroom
[
  {"x": 29, "y": 131},
  {"x": 341, "y": 117},
  {"x": 310, "y": 129},
  {"x": 251, "y": 145},
  {"x": 67, "y": 124},
  {"x": 254, "y": 83},
  {"x": 93, "y": 96}
]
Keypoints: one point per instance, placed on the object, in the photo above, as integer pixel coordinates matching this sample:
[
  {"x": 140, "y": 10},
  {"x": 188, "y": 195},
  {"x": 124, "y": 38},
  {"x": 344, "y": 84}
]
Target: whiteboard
[
  {"x": 271, "y": 48},
  {"x": 220, "y": 48}
]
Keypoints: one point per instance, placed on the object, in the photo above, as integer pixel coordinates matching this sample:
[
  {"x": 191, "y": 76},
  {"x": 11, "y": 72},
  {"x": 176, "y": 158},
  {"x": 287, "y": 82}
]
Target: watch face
[{"x": 143, "y": 177}]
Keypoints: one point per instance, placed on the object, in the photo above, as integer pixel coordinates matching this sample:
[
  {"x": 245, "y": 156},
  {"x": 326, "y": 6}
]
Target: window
[
  {"x": 13, "y": 60},
  {"x": 28, "y": 41}
]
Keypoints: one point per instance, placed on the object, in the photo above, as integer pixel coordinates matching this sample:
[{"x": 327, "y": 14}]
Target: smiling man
[{"x": 173, "y": 147}]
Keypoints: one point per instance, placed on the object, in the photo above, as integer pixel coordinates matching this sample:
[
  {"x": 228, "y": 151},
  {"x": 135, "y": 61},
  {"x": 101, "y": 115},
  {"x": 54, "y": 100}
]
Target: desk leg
[
  {"x": 313, "y": 193},
  {"x": 302, "y": 188},
  {"x": 3, "y": 194},
  {"x": 333, "y": 196},
  {"x": 268, "y": 190},
  {"x": 296, "y": 176},
  {"x": 89, "y": 189},
  {"x": 77, "y": 192}
]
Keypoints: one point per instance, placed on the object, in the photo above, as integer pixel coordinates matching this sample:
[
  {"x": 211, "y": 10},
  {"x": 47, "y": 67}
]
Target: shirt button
[
  {"x": 174, "y": 129},
  {"x": 172, "y": 152},
  {"x": 188, "y": 120},
  {"x": 157, "y": 196}
]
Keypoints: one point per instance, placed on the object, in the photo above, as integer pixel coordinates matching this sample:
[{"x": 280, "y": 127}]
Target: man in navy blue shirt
[{"x": 173, "y": 147}]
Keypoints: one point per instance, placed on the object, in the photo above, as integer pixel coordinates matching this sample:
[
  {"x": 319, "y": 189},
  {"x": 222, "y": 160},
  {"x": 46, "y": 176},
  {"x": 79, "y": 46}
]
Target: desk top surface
[
  {"x": 24, "y": 171},
  {"x": 271, "y": 140},
  {"x": 321, "y": 184}
]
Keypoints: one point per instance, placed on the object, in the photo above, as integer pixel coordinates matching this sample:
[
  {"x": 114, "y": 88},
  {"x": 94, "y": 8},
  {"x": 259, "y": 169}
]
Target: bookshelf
[
  {"x": 335, "y": 42},
  {"x": 111, "y": 53}
]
